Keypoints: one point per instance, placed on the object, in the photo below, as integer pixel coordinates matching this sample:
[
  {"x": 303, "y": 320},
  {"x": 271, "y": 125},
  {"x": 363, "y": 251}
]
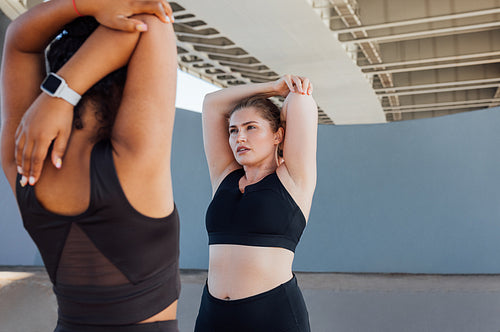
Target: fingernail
[
  {"x": 24, "y": 181},
  {"x": 19, "y": 170},
  {"x": 167, "y": 19},
  {"x": 141, "y": 27},
  {"x": 58, "y": 163},
  {"x": 32, "y": 180}
]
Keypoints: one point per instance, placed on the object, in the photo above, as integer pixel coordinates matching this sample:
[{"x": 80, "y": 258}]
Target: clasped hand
[
  {"x": 292, "y": 83},
  {"x": 117, "y": 14}
]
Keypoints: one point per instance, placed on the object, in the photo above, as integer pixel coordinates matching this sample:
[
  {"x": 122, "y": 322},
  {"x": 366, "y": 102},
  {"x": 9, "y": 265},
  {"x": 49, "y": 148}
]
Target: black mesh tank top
[
  {"x": 110, "y": 264},
  {"x": 265, "y": 215}
]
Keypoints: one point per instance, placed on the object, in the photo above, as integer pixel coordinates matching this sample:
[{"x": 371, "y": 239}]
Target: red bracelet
[{"x": 76, "y": 10}]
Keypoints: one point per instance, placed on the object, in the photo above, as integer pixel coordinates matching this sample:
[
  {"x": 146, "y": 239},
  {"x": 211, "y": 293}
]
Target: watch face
[{"x": 51, "y": 83}]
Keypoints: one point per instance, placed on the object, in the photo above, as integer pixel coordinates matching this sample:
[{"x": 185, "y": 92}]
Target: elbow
[
  {"x": 17, "y": 32},
  {"x": 209, "y": 97},
  {"x": 206, "y": 104},
  {"x": 298, "y": 103},
  {"x": 209, "y": 101},
  {"x": 297, "y": 97},
  {"x": 11, "y": 34}
]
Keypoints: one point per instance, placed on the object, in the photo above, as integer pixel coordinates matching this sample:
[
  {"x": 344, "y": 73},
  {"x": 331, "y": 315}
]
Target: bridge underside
[{"x": 371, "y": 61}]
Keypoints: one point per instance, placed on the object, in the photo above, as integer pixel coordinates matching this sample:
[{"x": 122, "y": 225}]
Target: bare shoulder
[{"x": 218, "y": 180}]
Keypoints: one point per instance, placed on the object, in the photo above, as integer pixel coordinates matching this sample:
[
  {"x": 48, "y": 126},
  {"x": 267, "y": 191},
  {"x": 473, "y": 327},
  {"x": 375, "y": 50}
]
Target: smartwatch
[{"x": 55, "y": 86}]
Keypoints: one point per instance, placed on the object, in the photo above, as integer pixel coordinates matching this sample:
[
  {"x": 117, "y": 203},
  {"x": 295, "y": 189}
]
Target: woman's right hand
[
  {"x": 116, "y": 14},
  {"x": 292, "y": 83},
  {"x": 48, "y": 121}
]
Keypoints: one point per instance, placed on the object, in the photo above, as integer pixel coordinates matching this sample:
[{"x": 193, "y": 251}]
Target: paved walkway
[{"x": 336, "y": 302}]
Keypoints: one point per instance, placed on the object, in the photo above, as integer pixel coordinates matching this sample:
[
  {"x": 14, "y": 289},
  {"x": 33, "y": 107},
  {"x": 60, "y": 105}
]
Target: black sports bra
[
  {"x": 265, "y": 215},
  {"x": 109, "y": 264}
]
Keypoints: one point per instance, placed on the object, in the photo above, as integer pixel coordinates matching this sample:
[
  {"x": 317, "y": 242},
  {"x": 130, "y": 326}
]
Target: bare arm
[
  {"x": 142, "y": 132},
  {"x": 218, "y": 104},
  {"x": 23, "y": 70},
  {"x": 26, "y": 40},
  {"x": 144, "y": 124},
  {"x": 300, "y": 144},
  {"x": 48, "y": 118}
]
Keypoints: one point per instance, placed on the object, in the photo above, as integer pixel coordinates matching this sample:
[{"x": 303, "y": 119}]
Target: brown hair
[{"x": 267, "y": 109}]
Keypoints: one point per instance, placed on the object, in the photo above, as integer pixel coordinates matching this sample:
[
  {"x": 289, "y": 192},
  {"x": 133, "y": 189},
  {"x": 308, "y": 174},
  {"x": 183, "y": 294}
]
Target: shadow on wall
[{"x": 410, "y": 197}]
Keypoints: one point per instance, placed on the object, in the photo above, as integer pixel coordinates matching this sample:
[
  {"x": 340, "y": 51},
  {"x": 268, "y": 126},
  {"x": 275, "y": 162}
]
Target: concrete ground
[{"x": 336, "y": 302}]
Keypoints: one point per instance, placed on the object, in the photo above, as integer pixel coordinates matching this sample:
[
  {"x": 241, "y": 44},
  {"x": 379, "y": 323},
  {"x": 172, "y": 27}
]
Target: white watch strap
[
  {"x": 68, "y": 94},
  {"x": 62, "y": 91}
]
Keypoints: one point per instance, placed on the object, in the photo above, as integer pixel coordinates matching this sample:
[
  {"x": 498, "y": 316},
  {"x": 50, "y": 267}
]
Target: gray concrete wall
[{"x": 414, "y": 197}]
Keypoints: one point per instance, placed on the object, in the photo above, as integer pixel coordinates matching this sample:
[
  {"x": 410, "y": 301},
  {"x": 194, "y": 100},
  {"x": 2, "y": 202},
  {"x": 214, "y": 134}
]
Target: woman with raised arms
[
  {"x": 101, "y": 211},
  {"x": 262, "y": 164}
]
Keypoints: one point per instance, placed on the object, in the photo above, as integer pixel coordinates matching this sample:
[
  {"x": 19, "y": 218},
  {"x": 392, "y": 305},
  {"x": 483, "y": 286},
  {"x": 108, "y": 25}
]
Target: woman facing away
[
  {"x": 263, "y": 183},
  {"x": 103, "y": 217}
]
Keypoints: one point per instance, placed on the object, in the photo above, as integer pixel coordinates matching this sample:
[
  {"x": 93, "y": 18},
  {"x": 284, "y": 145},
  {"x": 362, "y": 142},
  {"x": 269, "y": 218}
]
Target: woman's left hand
[
  {"x": 293, "y": 83},
  {"x": 116, "y": 14}
]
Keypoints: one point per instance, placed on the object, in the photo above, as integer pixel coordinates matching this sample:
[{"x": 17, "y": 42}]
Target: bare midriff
[
  {"x": 169, "y": 313},
  {"x": 237, "y": 271}
]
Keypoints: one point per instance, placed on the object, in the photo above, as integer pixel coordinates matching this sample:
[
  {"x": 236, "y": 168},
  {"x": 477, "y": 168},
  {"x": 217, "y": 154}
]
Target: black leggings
[
  {"x": 163, "y": 326},
  {"x": 280, "y": 309}
]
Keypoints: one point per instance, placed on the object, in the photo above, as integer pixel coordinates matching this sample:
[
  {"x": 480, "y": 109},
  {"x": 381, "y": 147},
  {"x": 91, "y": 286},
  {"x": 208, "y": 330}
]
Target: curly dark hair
[{"x": 106, "y": 94}]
